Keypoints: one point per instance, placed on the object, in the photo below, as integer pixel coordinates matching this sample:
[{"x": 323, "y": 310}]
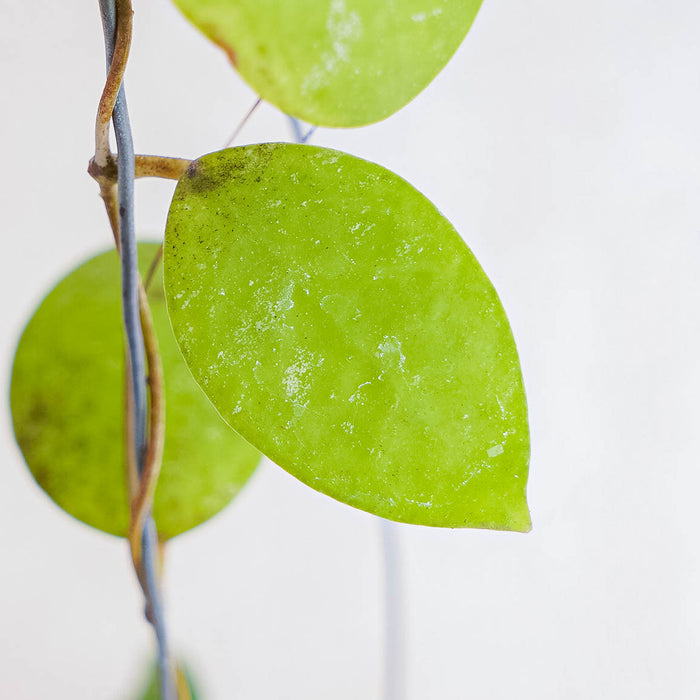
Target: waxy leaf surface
[
  {"x": 337, "y": 320},
  {"x": 67, "y": 402},
  {"x": 335, "y": 62}
]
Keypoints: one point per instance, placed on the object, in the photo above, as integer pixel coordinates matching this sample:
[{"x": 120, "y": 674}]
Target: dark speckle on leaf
[{"x": 198, "y": 179}]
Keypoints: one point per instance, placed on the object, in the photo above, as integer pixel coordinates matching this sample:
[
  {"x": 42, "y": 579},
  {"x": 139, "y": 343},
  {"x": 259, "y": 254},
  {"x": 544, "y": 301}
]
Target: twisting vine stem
[
  {"x": 145, "y": 486},
  {"x": 118, "y": 45},
  {"x": 144, "y": 431}
]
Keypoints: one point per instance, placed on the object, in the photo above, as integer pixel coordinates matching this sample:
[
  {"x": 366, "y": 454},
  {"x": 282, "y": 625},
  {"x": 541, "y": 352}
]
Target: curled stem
[
  {"x": 117, "y": 66},
  {"x": 153, "y": 267},
  {"x": 144, "y": 431},
  {"x": 142, "y": 498}
]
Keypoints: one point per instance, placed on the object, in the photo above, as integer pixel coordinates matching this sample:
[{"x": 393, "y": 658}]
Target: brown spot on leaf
[
  {"x": 213, "y": 34},
  {"x": 231, "y": 54}
]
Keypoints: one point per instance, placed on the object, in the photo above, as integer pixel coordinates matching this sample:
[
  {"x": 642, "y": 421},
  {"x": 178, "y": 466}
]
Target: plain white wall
[{"x": 563, "y": 143}]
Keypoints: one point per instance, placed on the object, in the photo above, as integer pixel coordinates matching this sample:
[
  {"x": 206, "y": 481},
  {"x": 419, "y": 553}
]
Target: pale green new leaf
[
  {"x": 337, "y": 320},
  {"x": 336, "y": 62}
]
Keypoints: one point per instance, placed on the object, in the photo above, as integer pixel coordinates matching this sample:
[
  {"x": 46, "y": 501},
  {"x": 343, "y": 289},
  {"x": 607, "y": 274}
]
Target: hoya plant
[{"x": 303, "y": 304}]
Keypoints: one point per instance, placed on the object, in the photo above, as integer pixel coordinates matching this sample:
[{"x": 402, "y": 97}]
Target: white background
[{"x": 563, "y": 143}]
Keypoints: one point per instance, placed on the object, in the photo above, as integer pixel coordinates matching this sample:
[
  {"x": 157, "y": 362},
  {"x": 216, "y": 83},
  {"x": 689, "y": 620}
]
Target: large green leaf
[
  {"x": 337, "y": 321},
  {"x": 336, "y": 62},
  {"x": 67, "y": 408}
]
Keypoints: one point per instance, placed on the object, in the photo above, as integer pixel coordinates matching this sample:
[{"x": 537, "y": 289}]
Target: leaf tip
[{"x": 518, "y": 518}]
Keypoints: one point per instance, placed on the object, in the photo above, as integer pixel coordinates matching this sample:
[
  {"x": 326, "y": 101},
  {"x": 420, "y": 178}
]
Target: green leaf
[
  {"x": 335, "y": 62},
  {"x": 67, "y": 400},
  {"x": 184, "y": 679},
  {"x": 337, "y": 320}
]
